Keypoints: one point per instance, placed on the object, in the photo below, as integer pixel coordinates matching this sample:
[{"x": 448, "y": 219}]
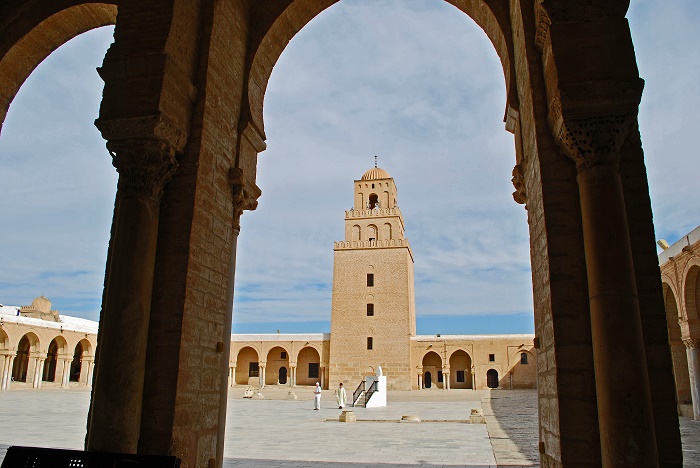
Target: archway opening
[
  {"x": 692, "y": 293},
  {"x": 678, "y": 352},
  {"x": 21, "y": 367},
  {"x": 247, "y": 366},
  {"x": 492, "y": 378},
  {"x": 308, "y": 366},
  {"x": 460, "y": 370},
  {"x": 51, "y": 361},
  {"x": 432, "y": 365},
  {"x": 76, "y": 363},
  {"x": 277, "y": 359}
]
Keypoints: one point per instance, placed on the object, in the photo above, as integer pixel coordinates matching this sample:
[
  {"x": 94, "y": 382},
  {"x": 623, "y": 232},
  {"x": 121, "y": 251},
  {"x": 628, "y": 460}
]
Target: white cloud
[{"x": 423, "y": 90}]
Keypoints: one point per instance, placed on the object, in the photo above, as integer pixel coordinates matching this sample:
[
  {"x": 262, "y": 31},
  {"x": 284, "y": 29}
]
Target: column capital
[
  {"x": 692, "y": 343},
  {"x": 245, "y": 195},
  {"x": 593, "y": 141},
  {"x": 144, "y": 166},
  {"x": 518, "y": 180}
]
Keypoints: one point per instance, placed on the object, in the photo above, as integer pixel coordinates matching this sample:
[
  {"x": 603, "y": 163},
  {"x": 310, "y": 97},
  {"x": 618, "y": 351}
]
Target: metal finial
[{"x": 375, "y": 160}]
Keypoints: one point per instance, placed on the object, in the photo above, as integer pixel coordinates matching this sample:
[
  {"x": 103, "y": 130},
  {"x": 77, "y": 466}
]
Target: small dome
[
  {"x": 376, "y": 173},
  {"x": 42, "y": 304}
]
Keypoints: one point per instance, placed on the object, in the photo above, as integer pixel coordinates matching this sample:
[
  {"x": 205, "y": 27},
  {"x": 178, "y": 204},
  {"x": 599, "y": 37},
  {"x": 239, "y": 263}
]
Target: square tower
[{"x": 373, "y": 313}]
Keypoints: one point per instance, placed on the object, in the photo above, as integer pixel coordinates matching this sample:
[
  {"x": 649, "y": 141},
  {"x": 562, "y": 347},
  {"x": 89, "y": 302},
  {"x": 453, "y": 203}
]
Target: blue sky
[{"x": 424, "y": 92}]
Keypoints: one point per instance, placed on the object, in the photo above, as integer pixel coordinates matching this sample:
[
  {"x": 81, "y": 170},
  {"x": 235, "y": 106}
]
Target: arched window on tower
[
  {"x": 371, "y": 233},
  {"x": 356, "y": 233},
  {"x": 387, "y": 231},
  {"x": 373, "y": 202}
]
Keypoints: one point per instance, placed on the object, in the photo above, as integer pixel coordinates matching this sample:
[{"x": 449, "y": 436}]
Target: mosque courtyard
[{"x": 277, "y": 432}]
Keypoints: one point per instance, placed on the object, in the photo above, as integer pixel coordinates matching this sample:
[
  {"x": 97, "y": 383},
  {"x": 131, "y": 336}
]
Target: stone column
[
  {"x": 65, "y": 380},
  {"x": 38, "y": 373},
  {"x": 262, "y": 375},
  {"x": 91, "y": 369},
  {"x": 625, "y": 414},
  {"x": 86, "y": 370},
  {"x": 292, "y": 375},
  {"x": 692, "y": 346},
  {"x": 233, "y": 376},
  {"x": 144, "y": 166},
  {"x": 323, "y": 377},
  {"x": 420, "y": 380},
  {"x": 5, "y": 377}
]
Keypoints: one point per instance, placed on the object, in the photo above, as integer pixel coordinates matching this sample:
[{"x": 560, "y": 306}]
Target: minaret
[{"x": 373, "y": 309}]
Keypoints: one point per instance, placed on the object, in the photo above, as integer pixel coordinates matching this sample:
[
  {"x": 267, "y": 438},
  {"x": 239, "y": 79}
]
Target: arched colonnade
[
  {"x": 461, "y": 370},
  {"x": 44, "y": 355},
  {"x": 182, "y": 116},
  {"x": 287, "y": 363},
  {"x": 680, "y": 272}
]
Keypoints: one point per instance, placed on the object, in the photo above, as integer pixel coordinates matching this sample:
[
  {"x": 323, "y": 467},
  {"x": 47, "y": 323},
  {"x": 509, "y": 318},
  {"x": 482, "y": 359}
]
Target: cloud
[{"x": 424, "y": 91}]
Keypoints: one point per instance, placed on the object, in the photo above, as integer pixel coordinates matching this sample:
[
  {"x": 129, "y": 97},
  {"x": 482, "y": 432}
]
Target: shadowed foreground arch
[
  {"x": 39, "y": 30},
  {"x": 182, "y": 115}
]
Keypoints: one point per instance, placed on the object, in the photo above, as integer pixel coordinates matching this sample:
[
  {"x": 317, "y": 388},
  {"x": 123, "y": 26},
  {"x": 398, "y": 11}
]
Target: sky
[{"x": 424, "y": 92}]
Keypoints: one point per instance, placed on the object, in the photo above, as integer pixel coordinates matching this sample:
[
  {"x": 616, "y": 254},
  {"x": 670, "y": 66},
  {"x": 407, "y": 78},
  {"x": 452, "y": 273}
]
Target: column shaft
[
  {"x": 225, "y": 376},
  {"x": 3, "y": 375},
  {"x": 65, "y": 381},
  {"x": 115, "y": 416},
  {"x": 694, "y": 374},
  {"x": 7, "y": 378},
  {"x": 622, "y": 386}
]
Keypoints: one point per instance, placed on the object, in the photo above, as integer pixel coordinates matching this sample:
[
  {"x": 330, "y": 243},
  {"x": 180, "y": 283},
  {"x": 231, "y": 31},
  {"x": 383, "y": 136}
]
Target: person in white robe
[
  {"x": 317, "y": 396},
  {"x": 340, "y": 396}
]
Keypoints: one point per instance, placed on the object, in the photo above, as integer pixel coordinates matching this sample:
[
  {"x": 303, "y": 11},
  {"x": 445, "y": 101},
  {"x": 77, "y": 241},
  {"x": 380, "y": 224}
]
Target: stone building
[
  {"x": 182, "y": 116},
  {"x": 680, "y": 273},
  {"x": 373, "y": 320},
  {"x": 39, "y": 347}
]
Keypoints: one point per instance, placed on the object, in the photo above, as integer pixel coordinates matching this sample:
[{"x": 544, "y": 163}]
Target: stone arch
[
  {"x": 269, "y": 46},
  {"x": 523, "y": 370},
  {"x": 246, "y": 356},
  {"x": 432, "y": 365},
  {"x": 387, "y": 234},
  {"x": 36, "y": 32},
  {"x": 4, "y": 340},
  {"x": 691, "y": 287},
  {"x": 29, "y": 343},
  {"x": 356, "y": 233},
  {"x": 372, "y": 232},
  {"x": 308, "y": 366},
  {"x": 77, "y": 366},
  {"x": 58, "y": 345},
  {"x": 679, "y": 356},
  {"x": 276, "y": 359},
  {"x": 460, "y": 369}
]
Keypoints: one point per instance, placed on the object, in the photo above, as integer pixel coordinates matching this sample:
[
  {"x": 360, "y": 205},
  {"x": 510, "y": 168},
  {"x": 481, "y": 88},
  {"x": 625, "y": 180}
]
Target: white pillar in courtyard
[{"x": 693, "y": 354}]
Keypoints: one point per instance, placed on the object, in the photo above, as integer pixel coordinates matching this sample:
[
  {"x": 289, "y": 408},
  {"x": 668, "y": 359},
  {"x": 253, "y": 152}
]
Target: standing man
[
  {"x": 317, "y": 396},
  {"x": 340, "y": 396}
]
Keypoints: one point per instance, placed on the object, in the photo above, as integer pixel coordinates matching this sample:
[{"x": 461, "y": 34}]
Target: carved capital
[
  {"x": 245, "y": 196},
  {"x": 691, "y": 343},
  {"x": 518, "y": 180},
  {"x": 593, "y": 141},
  {"x": 144, "y": 167},
  {"x": 148, "y": 126}
]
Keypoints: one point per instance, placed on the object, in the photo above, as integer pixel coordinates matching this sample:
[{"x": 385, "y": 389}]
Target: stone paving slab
[{"x": 275, "y": 432}]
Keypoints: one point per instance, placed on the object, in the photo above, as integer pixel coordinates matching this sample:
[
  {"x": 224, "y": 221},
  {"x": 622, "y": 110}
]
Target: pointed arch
[{"x": 36, "y": 32}]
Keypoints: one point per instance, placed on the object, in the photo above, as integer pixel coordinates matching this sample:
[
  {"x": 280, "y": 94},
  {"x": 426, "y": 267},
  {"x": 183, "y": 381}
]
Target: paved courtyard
[{"x": 275, "y": 432}]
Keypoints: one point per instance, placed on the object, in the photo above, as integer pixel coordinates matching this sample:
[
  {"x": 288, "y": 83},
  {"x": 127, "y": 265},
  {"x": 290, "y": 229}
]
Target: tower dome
[
  {"x": 376, "y": 173},
  {"x": 42, "y": 304}
]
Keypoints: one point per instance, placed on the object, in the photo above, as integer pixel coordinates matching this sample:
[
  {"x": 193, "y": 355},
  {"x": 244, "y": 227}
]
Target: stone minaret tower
[{"x": 373, "y": 314}]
